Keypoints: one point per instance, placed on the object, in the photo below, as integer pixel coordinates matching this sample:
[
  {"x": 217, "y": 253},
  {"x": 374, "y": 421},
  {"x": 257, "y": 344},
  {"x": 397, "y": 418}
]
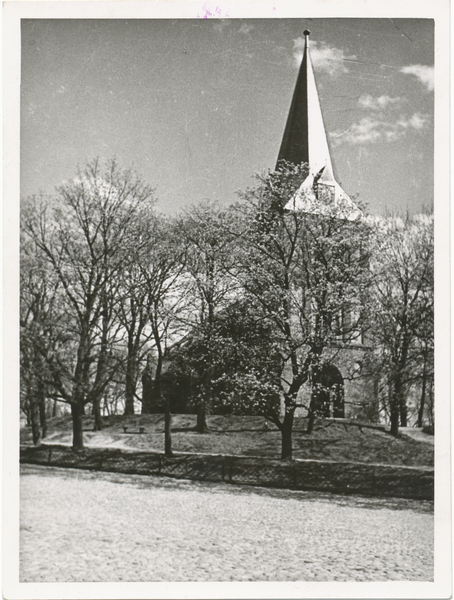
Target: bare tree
[
  {"x": 208, "y": 263},
  {"x": 164, "y": 297},
  {"x": 41, "y": 313},
  {"x": 85, "y": 235},
  {"x": 403, "y": 305}
]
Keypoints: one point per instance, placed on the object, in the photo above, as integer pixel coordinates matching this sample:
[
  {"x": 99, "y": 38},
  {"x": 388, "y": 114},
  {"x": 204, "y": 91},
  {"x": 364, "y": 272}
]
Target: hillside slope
[{"x": 249, "y": 436}]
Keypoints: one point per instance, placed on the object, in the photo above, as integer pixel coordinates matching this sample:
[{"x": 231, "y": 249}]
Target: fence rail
[{"x": 327, "y": 476}]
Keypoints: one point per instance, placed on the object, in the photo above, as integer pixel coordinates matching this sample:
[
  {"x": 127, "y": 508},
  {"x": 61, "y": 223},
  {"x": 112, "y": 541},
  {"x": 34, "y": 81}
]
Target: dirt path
[{"x": 80, "y": 526}]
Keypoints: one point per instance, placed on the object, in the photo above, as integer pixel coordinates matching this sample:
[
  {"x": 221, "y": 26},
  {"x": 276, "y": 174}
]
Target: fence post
[
  {"x": 50, "y": 455},
  {"x": 159, "y": 465},
  {"x": 294, "y": 475},
  {"x": 223, "y": 468}
]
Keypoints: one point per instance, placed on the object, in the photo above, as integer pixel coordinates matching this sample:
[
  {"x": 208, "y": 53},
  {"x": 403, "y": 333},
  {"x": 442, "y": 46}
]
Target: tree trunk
[
  {"x": 76, "y": 413},
  {"x": 310, "y": 422},
  {"x": 400, "y": 388},
  {"x": 431, "y": 400},
  {"x": 403, "y": 412},
  {"x": 168, "y": 430},
  {"x": 40, "y": 400},
  {"x": 106, "y": 409},
  {"x": 101, "y": 380},
  {"x": 423, "y": 396},
  {"x": 201, "y": 419},
  {"x": 152, "y": 387},
  {"x": 43, "y": 417},
  {"x": 36, "y": 431},
  {"x": 147, "y": 390},
  {"x": 97, "y": 414},
  {"x": 131, "y": 383},
  {"x": 202, "y": 426},
  {"x": 313, "y": 408},
  {"x": 394, "y": 423},
  {"x": 394, "y": 412},
  {"x": 287, "y": 429},
  {"x": 28, "y": 412},
  {"x": 129, "y": 397},
  {"x": 421, "y": 406}
]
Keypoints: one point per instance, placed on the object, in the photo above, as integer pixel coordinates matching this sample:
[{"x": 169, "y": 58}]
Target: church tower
[{"x": 305, "y": 141}]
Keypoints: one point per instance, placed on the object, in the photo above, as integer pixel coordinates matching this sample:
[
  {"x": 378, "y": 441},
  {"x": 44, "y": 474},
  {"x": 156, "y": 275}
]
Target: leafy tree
[
  {"x": 85, "y": 236},
  {"x": 309, "y": 273},
  {"x": 403, "y": 308},
  {"x": 242, "y": 343},
  {"x": 247, "y": 358}
]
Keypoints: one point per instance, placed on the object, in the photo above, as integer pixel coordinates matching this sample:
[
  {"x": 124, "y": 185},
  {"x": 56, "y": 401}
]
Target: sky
[{"x": 197, "y": 106}]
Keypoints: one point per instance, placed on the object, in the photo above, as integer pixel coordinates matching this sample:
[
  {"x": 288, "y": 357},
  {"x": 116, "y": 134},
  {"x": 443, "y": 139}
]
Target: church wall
[{"x": 359, "y": 391}]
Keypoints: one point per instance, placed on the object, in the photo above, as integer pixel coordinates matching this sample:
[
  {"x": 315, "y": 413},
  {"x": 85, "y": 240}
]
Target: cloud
[
  {"x": 380, "y": 103},
  {"x": 369, "y": 131},
  {"x": 423, "y": 73},
  {"x": 324, "y": 58},
  {"x": 417, "y": 121}
]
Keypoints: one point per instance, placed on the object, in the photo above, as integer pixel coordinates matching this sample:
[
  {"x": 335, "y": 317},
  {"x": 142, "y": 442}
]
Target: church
[{"x": 305, "y": 141}]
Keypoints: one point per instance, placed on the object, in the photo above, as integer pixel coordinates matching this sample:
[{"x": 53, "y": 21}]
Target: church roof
[{"x": 305, "y": 141}]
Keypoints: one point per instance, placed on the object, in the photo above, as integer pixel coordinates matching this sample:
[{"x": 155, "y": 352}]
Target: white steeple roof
[{"x": 305, "y": 141}]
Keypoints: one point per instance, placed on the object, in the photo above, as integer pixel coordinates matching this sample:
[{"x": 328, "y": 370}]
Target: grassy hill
[{"x": 248, "y": 436}]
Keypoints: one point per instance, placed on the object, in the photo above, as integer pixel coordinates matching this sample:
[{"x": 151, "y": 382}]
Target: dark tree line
[{"x": 242, "y": 306}]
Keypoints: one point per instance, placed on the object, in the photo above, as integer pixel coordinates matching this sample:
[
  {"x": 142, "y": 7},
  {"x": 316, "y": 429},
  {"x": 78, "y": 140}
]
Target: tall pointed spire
[
  {"x": 305, "y": 141},
  {"x": 304, "y": 136}
]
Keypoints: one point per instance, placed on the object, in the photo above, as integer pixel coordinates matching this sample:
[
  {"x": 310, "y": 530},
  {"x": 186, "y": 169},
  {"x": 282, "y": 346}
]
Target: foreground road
[{"x": 81, "y": 527}]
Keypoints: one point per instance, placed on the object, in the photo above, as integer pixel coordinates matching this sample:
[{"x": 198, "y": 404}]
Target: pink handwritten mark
[{"x": 216, "y": 12}]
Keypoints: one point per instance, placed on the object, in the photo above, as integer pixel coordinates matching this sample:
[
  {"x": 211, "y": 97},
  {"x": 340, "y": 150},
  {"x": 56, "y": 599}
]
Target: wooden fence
[{"x": 326, "y": 476}]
